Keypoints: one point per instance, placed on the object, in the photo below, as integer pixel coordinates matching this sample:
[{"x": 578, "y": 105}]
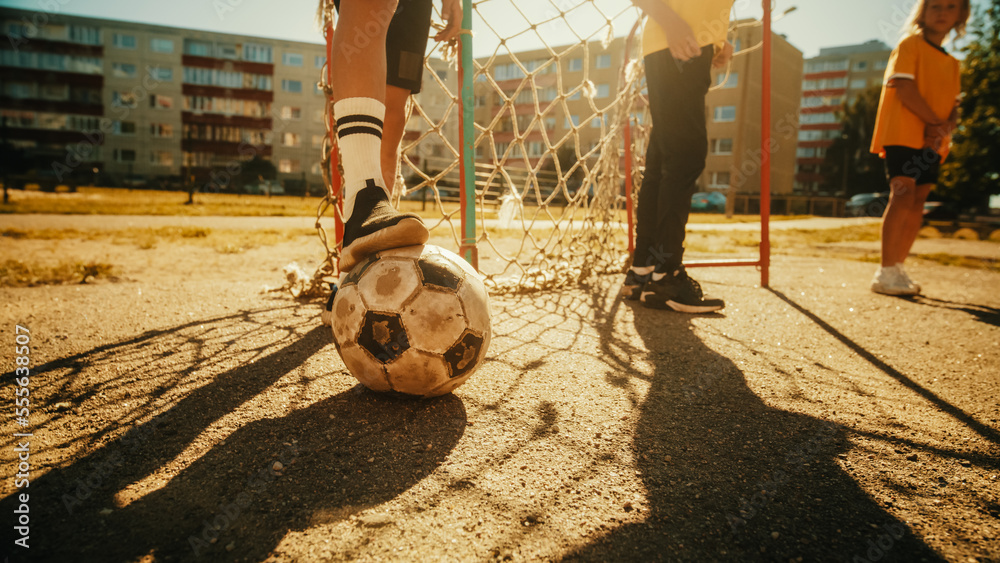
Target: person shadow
[
  {"x": 732, "y": 478},
  {"x": 323, "y": 463},
  {"x": 982, "y": 313}
]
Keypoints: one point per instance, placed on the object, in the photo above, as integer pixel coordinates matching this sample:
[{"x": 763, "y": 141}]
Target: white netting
[{"x": 555, "y": 90}]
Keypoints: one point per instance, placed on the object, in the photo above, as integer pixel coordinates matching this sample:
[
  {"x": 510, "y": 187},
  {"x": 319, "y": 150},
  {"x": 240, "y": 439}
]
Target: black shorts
[
  {"x": 923, "y": 165},
  {"x": 405, "y": 43}
]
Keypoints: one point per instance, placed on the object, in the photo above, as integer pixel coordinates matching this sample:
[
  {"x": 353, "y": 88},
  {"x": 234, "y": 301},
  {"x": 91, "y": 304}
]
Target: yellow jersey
[
  {"x": 709, "y": 19},
  {"x": 937, "y": 76}
]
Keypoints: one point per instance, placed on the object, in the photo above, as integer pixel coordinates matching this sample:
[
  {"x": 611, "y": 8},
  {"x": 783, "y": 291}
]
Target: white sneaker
[
  {"x": 889, "y": 280},
  {"x": 907, "y": 277}
]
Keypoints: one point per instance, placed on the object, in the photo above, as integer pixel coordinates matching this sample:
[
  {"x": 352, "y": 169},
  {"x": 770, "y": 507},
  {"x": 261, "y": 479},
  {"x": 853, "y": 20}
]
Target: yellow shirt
[
  {"x": 709, "y": 19},
  {"x": 936, "y": 74}
]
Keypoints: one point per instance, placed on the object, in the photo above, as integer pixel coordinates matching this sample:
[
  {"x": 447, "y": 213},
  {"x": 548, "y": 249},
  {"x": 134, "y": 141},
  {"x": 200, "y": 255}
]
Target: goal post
[{"x": 536, "y": 185}]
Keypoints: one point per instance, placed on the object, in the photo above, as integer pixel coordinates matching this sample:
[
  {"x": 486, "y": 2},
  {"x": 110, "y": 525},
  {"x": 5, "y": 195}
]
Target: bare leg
[
  {"x": 358, "y": 61},
  {"x": 392, "y": 131},
  {"x": 914, "y": 220},
  {"x": 901, "y": 201}
]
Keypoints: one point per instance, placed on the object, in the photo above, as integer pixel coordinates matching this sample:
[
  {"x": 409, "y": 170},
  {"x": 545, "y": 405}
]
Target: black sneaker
[
  {"x": 632, "y": 288},
  {"x": 679, "y": 292},
  {"x": 375, "y": 225}
]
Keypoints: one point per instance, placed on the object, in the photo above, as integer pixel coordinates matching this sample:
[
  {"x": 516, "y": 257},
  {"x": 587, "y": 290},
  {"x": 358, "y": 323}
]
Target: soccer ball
[{"x": 414, "y": 320}]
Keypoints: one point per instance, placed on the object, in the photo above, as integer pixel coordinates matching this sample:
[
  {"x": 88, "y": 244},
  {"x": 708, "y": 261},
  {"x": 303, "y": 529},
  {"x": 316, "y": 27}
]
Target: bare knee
[{"x": 903, "y": 191}]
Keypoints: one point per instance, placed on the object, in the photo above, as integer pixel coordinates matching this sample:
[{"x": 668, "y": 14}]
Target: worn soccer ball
[{"x": 414, "y": 320}]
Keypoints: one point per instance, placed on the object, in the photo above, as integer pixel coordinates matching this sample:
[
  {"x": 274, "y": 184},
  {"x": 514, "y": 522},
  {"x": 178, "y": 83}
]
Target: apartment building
[
  {"x": 832, "y": 81},
  {"x": 128, "y": 103}
]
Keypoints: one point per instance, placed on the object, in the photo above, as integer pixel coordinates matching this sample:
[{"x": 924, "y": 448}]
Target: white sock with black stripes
[{"x": 359, "y": 135}]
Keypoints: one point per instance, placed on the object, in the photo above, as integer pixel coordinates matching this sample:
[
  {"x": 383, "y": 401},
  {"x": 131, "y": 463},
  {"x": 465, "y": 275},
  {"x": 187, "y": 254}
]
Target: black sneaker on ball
[
  {"x": 375, "y": 225},
  {"x": 677, "y": 291}
]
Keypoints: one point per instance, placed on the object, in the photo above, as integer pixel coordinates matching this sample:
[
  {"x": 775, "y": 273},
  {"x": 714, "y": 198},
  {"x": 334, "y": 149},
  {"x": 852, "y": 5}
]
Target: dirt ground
[{"x": 182, "y": 414}]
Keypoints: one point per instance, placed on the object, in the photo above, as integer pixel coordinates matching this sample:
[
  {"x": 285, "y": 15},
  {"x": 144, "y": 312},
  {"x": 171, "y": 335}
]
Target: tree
[
  {"x": 256, "y": 169},
  {"x": 972, "y": 171},
  {"x": 850, "y": 153}
]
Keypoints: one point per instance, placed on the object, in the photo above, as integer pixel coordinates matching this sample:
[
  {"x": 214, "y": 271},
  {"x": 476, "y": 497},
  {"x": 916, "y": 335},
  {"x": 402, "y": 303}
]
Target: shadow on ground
[
  {"x": 730, "y": 478},
  {"x": 337, "y": 456}
]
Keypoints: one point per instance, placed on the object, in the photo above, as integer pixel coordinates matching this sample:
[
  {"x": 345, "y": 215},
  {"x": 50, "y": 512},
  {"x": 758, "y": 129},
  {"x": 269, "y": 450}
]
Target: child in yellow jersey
[
  {"x": 682, "y": 40},
  {"x": 916, "y": 115}
]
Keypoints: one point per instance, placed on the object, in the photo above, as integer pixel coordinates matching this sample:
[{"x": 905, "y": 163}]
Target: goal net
[{"x": 529, "y": 183}]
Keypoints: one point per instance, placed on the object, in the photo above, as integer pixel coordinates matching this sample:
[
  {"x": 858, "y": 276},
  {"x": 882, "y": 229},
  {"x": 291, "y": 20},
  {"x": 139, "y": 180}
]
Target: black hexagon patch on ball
[
  {"x": 437, "y": 271},
  {"x": 383, "y": 336},
  {"x": 462, "y": 356}
]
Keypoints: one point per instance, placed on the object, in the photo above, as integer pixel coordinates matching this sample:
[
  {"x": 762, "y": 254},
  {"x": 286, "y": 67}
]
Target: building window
[
  {"x": 124, "y": 155},
  {"x": 881, "y": 64},
  {"x": 575, "y": 65},
  {"x": 226, "y": 51},
  {"x": 291, "y": 139},
  {"x": 603, "y": 61},
  {"x": 317, "y": 141},
  {"x": 123, "y": 41},
  {"x": 858, "y": 83},
  {"x": 163, "y": 74},
  {"x": 550, "y": 123},
  {"x": 55, "y": 92},
  {"x": 719, "y": 180},
  {"x": 732, "y": 82},
  {"x": 197, "y": 48},
  {"x": 123, "y": 100},
  {"x": 257, "y": 53},
  {"x": 820, "y": 101},
  {"x": 812, "y": 118},
  {"x": 84, "y": 34},
  {"x": 160, "y": 101},
  {"x": 722, "y": 146},
  {"x": 826, "y": 66},
  {"x": 572, "y": 119},
  {"x": 725, "y": 114},
  {"x": 595, "y": 123},
  {"x": 291, "y": 59},
  {"x": 161, "y": 158},
  {"x": 124, "y": 128},
  {"x": 161, "y": 130},
  {"x": 536, "y": 149},
  {"x": 161, "y": 45},
  {"x": 20, "y": 90},
  {"x": 603, "y": 90},
  {"x": 319, "y": 61},
  {"x": 123, "y": 70},
  {"x": 288, "y": 112},
  {"x": 860, "y": 66},
  {"x": 289, "y": 166},
  {"x": 293, "y": 86}
]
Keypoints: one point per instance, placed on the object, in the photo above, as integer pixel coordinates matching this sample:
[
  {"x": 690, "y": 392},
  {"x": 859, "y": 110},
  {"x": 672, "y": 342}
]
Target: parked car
[
  {"x": 867, "y": 205},
  {"x": 708, "y": 202}
]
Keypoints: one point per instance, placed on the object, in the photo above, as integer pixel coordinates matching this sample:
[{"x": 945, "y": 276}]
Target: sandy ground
[{"x": 180, "y": 414}]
